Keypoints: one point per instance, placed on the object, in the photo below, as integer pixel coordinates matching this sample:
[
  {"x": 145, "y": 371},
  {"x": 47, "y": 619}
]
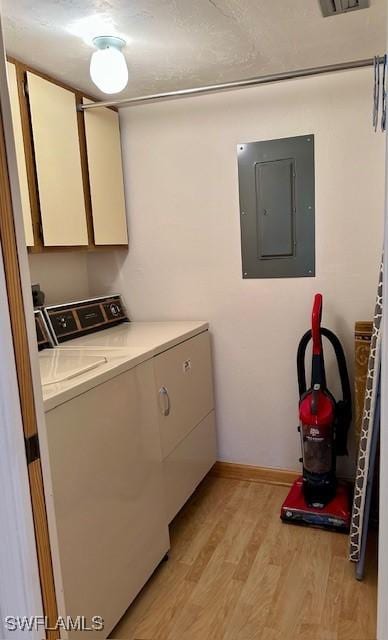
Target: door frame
[
  {"x": 29, "y": 588},
  {"x": 20, "y": 591}
]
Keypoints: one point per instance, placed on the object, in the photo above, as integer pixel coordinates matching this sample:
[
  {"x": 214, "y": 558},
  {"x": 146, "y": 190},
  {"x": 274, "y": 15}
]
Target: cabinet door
[
  {"x": 184, "y": 384},
  {"x": 20, "y": 153},
  {"x": 58, "y": 163},
  {"x": 188, "y": 464},
  {"x": 106, "y": 176}
]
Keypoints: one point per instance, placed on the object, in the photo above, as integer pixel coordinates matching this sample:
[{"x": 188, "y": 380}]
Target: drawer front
[
  {"x": 188, "y": 464},
  {"x": 185, "y": 387}
]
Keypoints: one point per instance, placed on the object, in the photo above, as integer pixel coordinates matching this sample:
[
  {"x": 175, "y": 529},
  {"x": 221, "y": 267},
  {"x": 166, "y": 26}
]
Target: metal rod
[{"x": 228, "y": 86}]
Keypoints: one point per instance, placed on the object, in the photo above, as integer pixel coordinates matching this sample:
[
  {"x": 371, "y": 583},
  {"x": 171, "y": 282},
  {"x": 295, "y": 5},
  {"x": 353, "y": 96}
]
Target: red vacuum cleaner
[{"x": 317, "y": 498}]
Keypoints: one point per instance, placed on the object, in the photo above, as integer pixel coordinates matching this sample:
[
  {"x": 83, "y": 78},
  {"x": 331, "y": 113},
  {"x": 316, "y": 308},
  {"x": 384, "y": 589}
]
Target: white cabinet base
[{"x": 188, "y": 464}]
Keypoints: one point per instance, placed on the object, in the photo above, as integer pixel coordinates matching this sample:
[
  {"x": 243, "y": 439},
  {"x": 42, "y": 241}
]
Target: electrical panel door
[{"x": 277, "y": 208}]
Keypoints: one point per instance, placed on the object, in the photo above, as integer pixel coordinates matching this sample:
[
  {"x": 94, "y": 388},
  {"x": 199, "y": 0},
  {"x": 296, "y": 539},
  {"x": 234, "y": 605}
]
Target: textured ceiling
[{"x": 174, "y": 44}]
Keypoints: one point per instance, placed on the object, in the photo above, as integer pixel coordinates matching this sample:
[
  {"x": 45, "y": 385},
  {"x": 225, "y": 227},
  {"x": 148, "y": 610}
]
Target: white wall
[
  {"x": 62, "y": 276},
  {"x": 184, "y": 260}
]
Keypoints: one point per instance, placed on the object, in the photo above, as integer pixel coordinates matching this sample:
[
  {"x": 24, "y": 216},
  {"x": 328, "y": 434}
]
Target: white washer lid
[{"x": 58, "y": 366}]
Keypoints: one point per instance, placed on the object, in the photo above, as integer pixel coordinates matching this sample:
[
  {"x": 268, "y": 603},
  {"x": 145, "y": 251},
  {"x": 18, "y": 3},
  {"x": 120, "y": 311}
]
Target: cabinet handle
[{"x": 163, "y": 395}]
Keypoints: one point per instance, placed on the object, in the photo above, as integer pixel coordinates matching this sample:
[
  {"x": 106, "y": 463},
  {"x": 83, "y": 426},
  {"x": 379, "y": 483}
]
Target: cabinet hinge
[
  {"x": 25, "y": 88},
  {"x": 32, "y": 448}
]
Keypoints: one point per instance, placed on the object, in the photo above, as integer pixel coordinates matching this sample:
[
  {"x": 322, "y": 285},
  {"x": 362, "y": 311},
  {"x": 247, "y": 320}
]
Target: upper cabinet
[
  {"x": 20, "y": 153},
  {"x": 58, "y": 163},
  {"x": 69, "y": 165},
  {"x": 103, "y": 146}
]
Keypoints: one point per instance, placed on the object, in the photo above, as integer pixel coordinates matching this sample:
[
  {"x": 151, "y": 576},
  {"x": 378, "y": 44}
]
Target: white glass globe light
[{"x": 108, "y": 67}]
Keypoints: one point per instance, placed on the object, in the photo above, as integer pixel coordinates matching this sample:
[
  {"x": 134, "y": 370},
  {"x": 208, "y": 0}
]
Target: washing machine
[{"x": 107, "y": 522}]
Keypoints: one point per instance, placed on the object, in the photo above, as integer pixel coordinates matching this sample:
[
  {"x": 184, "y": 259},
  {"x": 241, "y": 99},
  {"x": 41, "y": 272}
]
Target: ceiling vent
[{"x": 335, "y": 7}]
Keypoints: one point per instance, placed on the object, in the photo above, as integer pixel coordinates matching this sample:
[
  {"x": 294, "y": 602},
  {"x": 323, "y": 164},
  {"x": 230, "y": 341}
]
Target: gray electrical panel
[
  {"x": 336, "y": 7},
  {"x": 277, "y": 207}
]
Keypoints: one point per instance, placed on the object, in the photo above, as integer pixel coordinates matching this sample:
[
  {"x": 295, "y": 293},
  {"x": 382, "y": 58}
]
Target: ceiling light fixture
[{"x": 108, "y": 67}]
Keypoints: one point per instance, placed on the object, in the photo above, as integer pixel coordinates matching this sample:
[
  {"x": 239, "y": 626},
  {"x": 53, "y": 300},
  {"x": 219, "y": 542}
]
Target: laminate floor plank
[{"x": 236, "y": 572}]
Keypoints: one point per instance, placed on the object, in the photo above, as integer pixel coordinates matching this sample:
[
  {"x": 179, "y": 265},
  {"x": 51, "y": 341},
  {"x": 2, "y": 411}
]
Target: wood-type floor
[{"x": 236, "y": 572}]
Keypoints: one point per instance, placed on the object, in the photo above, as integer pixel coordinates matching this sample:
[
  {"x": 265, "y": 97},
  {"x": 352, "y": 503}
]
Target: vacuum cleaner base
[{"x": 334, "y": 516}]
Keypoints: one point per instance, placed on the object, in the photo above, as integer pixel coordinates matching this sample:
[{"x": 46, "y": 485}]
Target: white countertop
[{"x": 79, "y": 365}]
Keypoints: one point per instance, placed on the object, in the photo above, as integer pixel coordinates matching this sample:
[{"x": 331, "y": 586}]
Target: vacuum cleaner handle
[
  {"x": 318, "y": 376},
  {"x": 344, "y": 406},
  {"x": 316, "y": 319}
]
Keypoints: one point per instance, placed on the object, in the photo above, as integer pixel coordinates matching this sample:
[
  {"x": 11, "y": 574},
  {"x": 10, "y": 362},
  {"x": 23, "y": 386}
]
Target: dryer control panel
[
  {"x": 76, "y": 319},
  {"x": 43, "y": 336}
]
